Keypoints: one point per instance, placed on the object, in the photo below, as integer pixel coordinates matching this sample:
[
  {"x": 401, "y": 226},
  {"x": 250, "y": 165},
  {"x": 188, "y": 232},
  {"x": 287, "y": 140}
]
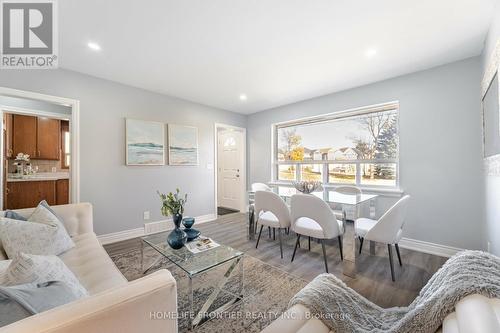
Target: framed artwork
[
  {"x": 182, "y": 145},
  {"x": 145, "y": 142}
]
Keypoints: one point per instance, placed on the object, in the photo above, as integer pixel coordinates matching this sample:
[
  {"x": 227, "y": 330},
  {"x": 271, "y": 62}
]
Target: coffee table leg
[
  {"x": 203, "y": 311},
  {"x": 191, "y": 307}
]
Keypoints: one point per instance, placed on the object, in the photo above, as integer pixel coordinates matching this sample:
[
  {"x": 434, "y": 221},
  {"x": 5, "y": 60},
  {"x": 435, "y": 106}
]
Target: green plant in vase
[{"x": 173, "y": 205}]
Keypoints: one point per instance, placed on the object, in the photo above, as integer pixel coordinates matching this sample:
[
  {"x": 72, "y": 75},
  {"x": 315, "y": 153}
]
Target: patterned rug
[{"x": 266, "y": 291}]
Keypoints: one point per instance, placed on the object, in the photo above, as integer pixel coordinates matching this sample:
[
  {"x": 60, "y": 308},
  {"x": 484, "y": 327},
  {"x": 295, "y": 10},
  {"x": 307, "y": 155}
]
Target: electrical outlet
[{"x": 146, "y": 215}]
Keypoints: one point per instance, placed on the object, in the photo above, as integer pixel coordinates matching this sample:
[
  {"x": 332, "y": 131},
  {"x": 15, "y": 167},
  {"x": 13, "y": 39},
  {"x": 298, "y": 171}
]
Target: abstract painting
[
  {"x": 182, "y": 145},
  {"x": 145, "y": 142}
]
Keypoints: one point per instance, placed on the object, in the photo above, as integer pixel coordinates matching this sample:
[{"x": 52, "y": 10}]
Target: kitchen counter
[{"x": 41, "y": 176}]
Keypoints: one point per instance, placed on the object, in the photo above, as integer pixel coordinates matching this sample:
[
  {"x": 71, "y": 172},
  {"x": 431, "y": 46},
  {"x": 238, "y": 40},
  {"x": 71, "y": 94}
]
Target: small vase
[{"x": 177, "y": 238}]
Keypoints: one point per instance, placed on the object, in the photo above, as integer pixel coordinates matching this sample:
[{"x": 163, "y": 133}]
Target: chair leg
[
  {"x": 258, "y": 238},
  {"x": 281, "y": 243},
  {"x": 361, "y": 239},
  {"x": 341, "y": 248},
  {"x": 296, "y": 244},
  {"x": 399, "y": 254},
  {"x": 389, "y": 247},
  {"x": 324, "y": 254},
  {"x": 269, "y": 229},
  {"x": 274, "y": 233},
  {"x": 309, "y": 240}
]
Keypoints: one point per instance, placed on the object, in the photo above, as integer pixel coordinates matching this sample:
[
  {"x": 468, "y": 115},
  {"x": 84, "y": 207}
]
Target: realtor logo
[{"x": 29, "y": 34}]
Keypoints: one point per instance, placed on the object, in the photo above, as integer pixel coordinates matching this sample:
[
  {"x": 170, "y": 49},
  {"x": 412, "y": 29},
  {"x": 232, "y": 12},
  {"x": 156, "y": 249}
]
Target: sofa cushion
[
  {"x": 10, "y": 214},
  {"x": 32, "y": 237},
  {"x": 92, "y": 265},
  {"x": 19, "y": 302},
  {"x": 29, "y": 268}
]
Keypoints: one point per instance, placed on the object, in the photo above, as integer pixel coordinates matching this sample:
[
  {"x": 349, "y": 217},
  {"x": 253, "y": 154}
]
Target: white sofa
[
  {"x": 114, "y": 305},
  {"x": 474, "y": 314}
]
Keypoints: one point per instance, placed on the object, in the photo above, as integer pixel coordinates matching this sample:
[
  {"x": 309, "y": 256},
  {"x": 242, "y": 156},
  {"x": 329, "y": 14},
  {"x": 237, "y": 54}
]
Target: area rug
[{"x": 266, "y": 289}]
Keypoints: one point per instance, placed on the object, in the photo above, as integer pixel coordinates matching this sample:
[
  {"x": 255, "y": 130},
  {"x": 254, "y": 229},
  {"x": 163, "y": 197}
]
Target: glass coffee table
[{"x": 195, "y": 264}]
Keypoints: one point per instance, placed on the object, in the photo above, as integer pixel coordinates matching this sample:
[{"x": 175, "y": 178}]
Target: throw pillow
[
  {"x": 34, "y": 269},
  {"x": 10, "y": 214},
  {"x": 19, "y": 302},
  {"x": 31, "y": 237}
]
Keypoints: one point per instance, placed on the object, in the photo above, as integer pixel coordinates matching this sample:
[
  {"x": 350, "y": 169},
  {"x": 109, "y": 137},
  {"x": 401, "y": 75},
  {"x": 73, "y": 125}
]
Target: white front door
[{"x": 230, "y": 159}]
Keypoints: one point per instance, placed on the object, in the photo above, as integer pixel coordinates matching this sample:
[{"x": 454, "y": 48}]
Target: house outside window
[{"x": 358, "y": 147}]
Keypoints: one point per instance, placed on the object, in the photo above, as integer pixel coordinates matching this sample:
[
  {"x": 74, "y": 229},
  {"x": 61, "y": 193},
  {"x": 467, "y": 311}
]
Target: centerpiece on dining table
[
  {"x": 308, "y": 186},
  {"x": 173, "y": 205}
]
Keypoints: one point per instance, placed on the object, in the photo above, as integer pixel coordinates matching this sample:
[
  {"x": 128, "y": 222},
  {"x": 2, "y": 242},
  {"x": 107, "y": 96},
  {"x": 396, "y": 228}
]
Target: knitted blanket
[{"x": 343, "y": 310}]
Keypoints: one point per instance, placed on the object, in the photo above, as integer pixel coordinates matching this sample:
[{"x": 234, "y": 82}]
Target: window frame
[{"x": 384, "y": 107}]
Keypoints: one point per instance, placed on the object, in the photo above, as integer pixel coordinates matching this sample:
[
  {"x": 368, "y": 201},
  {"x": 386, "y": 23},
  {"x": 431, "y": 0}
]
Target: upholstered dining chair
[
  {"x": 349, "y": 190},
  {"x": 260, "y": 187},
  {"x": 271, "y": 211},
  {"x": 388, "y": 229},
  {"x": 312, "y": 217}
]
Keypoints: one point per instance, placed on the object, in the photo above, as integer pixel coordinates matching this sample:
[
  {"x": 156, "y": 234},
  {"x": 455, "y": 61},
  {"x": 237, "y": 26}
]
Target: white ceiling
[{"x": 274, "y": 51}]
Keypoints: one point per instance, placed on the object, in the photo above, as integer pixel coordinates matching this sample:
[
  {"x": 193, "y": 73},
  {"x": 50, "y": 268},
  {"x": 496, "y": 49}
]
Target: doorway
[
  {"x": 45, "y": 128},
  {"x": 230, "y": 171}
]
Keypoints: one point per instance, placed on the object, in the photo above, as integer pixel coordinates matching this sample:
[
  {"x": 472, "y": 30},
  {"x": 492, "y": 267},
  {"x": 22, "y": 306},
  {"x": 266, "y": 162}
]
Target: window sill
[{"x": 388, "y": 192}]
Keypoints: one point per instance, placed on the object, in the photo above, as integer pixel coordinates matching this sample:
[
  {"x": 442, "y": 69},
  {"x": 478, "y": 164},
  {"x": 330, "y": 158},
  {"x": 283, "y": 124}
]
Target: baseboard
[
  {"x": 163, "y": 225},
  {"x": 427, "y": 247}
]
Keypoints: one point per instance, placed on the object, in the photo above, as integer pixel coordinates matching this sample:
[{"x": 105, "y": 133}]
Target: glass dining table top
[{"x": 331, "y": 196}]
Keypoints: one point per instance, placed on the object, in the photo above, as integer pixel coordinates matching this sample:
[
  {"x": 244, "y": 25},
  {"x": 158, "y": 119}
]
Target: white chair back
[
  {"x": 388, "y": 226},
  {"x": 260, "y": 187},
  {"x": 310, "y": 206},
  {"x": 268, "y": 201}
]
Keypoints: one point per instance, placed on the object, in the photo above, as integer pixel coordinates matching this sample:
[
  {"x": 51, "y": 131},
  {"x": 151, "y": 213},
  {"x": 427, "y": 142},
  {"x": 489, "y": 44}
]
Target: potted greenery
[{"x": 173, "y": 205}]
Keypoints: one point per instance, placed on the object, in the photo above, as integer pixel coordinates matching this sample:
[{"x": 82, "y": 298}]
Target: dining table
[{"x": 334, "y": 199}]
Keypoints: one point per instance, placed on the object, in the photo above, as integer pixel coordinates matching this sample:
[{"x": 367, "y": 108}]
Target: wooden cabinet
[
  {"x": 24, "y": 135},
  {"x": 39, "y": 137},
  {"x": 48, "y": 138},
  {"x": 7, "y": 137},
  {"x": 27, "y": 194},
  {"x": 62, "y": 191}
]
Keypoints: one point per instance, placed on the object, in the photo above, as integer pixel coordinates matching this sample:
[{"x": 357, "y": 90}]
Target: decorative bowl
[{"x": 308, "y": 186}]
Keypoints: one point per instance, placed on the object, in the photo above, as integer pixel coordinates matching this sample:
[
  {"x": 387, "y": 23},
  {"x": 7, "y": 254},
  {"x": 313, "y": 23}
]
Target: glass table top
[
  {"x": 191, "y": 263},
  {"x": 332, "y": 196}
]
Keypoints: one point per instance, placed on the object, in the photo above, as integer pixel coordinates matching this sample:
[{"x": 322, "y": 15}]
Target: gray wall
[
  {"x": 120, "y": 193},
  {"x": 440, "y": 147},
  {"x": 492, "y": 182}
]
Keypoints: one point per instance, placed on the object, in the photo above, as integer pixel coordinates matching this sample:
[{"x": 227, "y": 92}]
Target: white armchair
[
  {"x": 388, "y": 229},
  {"x": 271, "y": 211},
  {"x": 312, "y": 217},
  {"x": 260, "y": 187}
]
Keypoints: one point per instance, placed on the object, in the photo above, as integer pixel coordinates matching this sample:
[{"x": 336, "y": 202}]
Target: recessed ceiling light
[
  {"x": 243, "y": 97},
  {"x": 94, "y": 46},
  {"x": 370, "y": 53}
]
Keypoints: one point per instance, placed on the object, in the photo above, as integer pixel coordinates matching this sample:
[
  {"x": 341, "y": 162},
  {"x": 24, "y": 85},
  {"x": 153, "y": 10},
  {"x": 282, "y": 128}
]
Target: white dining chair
[
  {"x": 388, "y": 229},
  {"x": 260, "y": 187},
  {"x": 348, "y": 190},
  {"x": 312, "y": 217},
  {"x": 271, "y": 211}
]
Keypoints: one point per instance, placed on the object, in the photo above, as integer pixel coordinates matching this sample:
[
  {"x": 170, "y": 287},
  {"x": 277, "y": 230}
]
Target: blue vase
[{"x": 177, "y": 238}]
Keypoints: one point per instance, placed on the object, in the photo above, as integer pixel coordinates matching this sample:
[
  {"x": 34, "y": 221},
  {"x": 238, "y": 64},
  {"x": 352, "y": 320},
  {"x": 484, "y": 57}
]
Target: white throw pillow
[
  {"x": 4, "y": 264},
  {"x": 29, "y": 268},
  {"x": 43, "y": 234}
]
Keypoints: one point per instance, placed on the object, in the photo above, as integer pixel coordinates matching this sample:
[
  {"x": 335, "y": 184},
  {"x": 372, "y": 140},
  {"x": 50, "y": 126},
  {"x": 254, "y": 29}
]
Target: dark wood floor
[{"x": 372, "y": 280}]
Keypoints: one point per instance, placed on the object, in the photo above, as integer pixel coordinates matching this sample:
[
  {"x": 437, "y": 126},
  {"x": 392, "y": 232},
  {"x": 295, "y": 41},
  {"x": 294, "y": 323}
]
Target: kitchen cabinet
[
  {"x": 62, "y": 191},
  {"x": 24, "y": 135},
  {"x": 40, "y": 137},
  {"x": 7, "y": 121},
  {"x": 48, "y": 138},
  {"x": 26, "y": 194}
]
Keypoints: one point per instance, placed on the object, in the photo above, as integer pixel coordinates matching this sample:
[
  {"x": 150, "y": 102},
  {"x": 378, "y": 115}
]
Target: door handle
[{"x": 238, "y": 176}]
